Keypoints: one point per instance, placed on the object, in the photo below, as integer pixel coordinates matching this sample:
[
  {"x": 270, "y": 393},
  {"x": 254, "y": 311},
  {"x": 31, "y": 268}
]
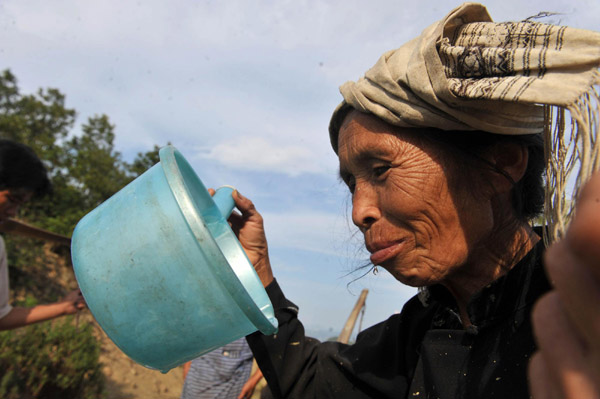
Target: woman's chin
[{"x": 412, "y": 280}]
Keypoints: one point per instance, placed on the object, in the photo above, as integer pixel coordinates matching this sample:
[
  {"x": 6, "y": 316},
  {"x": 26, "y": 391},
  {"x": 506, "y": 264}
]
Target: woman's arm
[
  {"x": 567, "y": 320},
  {"x": 286, "y": 358},
  {"x": 20, "y": 316}
]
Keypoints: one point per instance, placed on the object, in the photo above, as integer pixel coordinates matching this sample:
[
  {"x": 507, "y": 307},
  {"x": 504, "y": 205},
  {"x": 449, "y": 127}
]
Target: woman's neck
[{"x": 490, "y": 261}]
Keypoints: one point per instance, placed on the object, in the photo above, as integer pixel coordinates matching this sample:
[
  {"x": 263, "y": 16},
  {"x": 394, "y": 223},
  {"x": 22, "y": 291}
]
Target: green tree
[
  {"x": 144, "y": 161},
  {"x": 94, "y": 165}
]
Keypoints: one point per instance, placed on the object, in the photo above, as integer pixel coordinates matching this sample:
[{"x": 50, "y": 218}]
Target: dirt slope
[{"x": 126, "y": 379}]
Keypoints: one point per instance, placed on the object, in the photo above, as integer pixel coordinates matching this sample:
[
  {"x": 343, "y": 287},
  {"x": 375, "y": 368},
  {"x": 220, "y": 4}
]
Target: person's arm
[
  {"x": 567, "y": 320},
  {"x": 186, "y": 369},
  {"x": 248, "y": 388},
  {"x": 20, "y": 316},
  {"x": 287, "y": 358}
]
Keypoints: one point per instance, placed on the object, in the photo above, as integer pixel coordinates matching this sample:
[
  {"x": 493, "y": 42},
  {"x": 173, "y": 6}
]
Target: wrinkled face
[
  {"x": 414, "y": 223},
  {"x": 11, "y": 200}
]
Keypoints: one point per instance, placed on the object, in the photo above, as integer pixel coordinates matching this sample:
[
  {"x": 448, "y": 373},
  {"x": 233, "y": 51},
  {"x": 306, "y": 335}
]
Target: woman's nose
[{"x": 365, "y": 206}]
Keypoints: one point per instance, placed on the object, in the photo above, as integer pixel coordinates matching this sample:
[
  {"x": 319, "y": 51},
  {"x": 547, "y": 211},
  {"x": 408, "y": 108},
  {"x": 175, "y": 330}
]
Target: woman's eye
[{"x": 380, "y": 170}]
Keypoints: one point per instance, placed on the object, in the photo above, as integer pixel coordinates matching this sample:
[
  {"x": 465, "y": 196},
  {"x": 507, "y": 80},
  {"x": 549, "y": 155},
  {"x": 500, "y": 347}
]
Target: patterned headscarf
[{"x": 466, "y": 72}]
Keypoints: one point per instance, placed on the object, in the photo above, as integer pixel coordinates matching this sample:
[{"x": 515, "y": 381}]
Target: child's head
[{"x": 21, "y": 169}]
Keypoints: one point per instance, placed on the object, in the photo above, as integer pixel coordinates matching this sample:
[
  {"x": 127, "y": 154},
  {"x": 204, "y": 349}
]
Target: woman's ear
[{"x": 511, "y": 158}]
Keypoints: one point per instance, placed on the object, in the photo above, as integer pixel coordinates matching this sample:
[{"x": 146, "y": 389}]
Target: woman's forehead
[
  {"x": 356, "y": 119},
  {"x": 364, "y": 132}
]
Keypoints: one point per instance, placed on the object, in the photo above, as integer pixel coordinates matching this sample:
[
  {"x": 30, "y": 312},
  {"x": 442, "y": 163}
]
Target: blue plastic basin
[{"x": 163, "y": 273}]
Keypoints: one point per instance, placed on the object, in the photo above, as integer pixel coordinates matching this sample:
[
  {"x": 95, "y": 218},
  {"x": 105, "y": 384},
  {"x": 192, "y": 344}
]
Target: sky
[{"x": 244, "y": 90}]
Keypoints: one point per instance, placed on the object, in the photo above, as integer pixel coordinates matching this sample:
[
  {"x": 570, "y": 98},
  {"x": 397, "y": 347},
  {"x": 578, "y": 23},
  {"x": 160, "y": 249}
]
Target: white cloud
[{"x": 260, "y": 154}]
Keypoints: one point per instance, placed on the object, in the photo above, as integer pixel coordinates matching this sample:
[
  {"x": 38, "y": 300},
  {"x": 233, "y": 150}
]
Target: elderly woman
[{"x": 441, "y": 145}]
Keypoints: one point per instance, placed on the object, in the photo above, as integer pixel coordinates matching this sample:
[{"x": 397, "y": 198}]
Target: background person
[
  {"x": 22, "y": 177},
  {"x": 221, "y": 374}
]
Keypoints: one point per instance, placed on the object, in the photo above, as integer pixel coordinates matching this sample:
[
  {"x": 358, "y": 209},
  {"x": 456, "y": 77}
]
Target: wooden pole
[
  {"x": 347, "y": 330},
  {"x": 14, "y": 226}
]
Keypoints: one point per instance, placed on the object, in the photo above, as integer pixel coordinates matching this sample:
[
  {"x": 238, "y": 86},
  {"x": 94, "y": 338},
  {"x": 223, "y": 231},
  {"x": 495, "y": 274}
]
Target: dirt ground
[{"x": 125, "y": 379}]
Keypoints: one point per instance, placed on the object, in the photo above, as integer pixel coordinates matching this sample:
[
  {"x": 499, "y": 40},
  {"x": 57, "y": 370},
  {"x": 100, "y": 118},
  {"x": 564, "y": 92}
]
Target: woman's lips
[{"x": 385, "y": 251}]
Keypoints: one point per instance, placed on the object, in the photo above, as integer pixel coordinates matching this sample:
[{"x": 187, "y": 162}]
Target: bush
[
  {"x": 51, "y": 360},
  {"x": 33, "y": 270}
]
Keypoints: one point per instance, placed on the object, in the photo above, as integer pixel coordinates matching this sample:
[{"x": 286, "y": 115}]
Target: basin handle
[{"x": 224, "y": 200}]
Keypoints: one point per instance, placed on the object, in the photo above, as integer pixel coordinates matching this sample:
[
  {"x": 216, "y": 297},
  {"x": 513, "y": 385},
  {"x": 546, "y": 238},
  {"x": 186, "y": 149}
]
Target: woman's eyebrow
[{"x": 375, "y": 153}]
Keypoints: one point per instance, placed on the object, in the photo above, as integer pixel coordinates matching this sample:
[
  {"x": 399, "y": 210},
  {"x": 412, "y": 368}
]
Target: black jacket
[{"x": 423, "y": 352}]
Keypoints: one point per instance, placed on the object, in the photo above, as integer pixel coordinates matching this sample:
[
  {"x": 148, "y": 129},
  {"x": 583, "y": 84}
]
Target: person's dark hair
[
  {"x": 20, "y": 167},
  {"x": 468, "y": 147}
]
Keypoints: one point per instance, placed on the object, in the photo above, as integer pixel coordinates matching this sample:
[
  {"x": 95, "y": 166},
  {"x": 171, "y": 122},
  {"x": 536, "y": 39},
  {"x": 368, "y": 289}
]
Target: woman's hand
[
  {"x": 248, "y": 227},
  {"x": 567, "y": 320}
]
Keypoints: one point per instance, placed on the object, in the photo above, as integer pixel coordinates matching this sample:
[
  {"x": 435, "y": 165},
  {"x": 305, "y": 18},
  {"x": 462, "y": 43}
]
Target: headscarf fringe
[{"x": 572, "y": 155}]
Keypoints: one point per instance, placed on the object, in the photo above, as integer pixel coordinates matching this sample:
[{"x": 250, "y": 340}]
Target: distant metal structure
[
  {"x": 349, "y": 326},
  {"x": 15, "y": 226}
]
